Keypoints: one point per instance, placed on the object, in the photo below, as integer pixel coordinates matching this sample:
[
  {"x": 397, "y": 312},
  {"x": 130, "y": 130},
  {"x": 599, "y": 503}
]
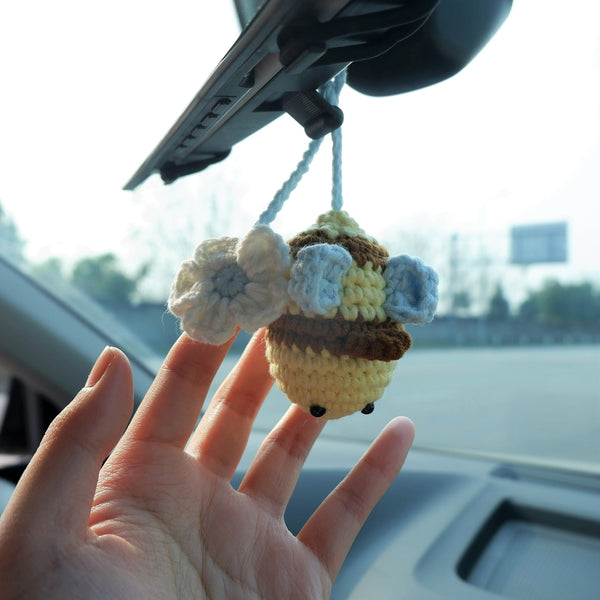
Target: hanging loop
[{"x": 331, "y": 92}]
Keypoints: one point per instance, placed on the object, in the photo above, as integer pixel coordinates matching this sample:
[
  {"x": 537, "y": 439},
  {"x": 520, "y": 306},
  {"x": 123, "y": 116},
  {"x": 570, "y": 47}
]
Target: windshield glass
[{"x": 491, "y": 177}]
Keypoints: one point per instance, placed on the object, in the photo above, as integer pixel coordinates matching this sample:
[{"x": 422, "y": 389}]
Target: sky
[{"x": 88, "y": 90}]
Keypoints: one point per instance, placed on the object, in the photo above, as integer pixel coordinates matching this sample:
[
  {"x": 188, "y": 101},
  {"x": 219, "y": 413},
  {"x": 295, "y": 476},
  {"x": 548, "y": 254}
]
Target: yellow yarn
[
  {"x": 363, "y": 293},
  {"x": 342, "y": 365},
  {"x": 340, "y": 384},
  {"x": 336, "y": 222}
]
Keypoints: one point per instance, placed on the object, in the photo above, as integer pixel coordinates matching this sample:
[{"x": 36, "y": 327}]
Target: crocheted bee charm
[
  {"x": 334, "y": 349},
  {"x": 333, "y": 301}
]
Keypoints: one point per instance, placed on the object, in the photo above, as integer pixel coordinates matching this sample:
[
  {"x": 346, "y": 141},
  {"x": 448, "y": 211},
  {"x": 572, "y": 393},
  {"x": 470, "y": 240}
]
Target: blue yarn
[
  {"x": 316, "y": 277},
  {"x": 331, "y": 91},
  {"x": 332, "y": 94},
  {"x": 268, "y": 216},
  {"x": 411, "y": 290},
  {"x": 336, "y": 189},
  {"x": 231, "y": 281}
]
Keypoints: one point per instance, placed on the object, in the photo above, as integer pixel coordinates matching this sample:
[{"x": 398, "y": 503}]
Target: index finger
[
  {"x": 222, "y": 435},
  {"x": 170, "y": 410}
]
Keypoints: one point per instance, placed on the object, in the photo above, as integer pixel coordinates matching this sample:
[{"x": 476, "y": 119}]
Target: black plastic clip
[
  {"x": 313, "y": 112},
  {"x": 171, "y": 171}
]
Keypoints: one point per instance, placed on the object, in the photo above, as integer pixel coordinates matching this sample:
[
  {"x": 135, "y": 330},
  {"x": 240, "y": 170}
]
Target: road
[{"x": 542, "y": 402}]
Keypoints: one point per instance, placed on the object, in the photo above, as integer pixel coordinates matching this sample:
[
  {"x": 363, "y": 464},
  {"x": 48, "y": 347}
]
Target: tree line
[
  {"x": 103, "y": 278},
  {"x": 555, "y": 304},
  {"x": 100, "y": 277}
]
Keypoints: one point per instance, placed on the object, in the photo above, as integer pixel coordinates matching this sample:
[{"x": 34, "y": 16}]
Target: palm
[
  {"x": 196, "y": 535},
  {"x": 162, "y": 519}
]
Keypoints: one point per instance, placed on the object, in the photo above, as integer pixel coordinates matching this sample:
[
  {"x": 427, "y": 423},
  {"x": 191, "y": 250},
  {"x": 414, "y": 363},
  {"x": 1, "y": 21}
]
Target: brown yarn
[
  {"x": 372, "y": 340},
  {"x": 361, "y": 249}
]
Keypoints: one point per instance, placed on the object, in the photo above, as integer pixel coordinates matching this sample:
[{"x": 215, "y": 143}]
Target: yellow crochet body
[
  {"x": 342, "y": 384},
  {"x": 330, "y": 365}
]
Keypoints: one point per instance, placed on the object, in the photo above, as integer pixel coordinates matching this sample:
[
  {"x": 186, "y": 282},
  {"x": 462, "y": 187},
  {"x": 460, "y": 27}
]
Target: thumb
[{"x": 57, "y": 488}]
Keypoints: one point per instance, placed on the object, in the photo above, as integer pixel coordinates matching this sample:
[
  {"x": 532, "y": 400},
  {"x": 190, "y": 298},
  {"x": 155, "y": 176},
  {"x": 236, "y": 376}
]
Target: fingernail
[{"x": 99, "y": 368}]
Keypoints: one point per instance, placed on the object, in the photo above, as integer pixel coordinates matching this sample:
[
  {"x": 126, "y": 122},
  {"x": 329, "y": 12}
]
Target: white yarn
[{"x": 231, "y": 283}]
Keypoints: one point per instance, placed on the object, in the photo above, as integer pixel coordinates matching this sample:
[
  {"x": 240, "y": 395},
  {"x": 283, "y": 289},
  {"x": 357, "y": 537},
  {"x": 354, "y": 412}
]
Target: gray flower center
[{"x": 230, "y": 281}]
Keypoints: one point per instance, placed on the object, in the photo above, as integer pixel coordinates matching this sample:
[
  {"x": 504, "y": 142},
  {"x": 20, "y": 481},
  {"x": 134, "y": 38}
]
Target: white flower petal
[
  {"x": 261, "y": 304},
  {"x": 212, "y": 300},
  {"x": 215, "y": 249},
  {"x": 263, "y": 254},
  {"x": 214, "y": 254},
  {"x": 214, "y": 326},
  {"x": 186, "y": 277}
]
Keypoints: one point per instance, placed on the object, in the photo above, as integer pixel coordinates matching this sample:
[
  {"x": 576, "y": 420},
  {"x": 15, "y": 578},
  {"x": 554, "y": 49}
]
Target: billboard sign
[{"x": 541, "y": 243}]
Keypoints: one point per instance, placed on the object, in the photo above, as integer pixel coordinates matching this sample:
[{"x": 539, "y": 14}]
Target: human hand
[{"x": 160, "y": 518}]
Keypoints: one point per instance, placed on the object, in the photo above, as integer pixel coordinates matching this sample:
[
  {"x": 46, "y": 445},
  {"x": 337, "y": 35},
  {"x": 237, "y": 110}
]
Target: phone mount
[{"x": 290, "y": 49}]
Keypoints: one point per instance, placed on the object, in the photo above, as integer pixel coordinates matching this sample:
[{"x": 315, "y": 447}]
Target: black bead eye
[
  {"x": 368, "y": 409},
  {"x": 317, "y": 411}
]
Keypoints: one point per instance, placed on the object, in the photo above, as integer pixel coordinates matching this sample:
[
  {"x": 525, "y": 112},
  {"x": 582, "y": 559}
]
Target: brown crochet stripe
[
  {"x": 361, "y": 249},
  {"x": 385, "y": 340}
]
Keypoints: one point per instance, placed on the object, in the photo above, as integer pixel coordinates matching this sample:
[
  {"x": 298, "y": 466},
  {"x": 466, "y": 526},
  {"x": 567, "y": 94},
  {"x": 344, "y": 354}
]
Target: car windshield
[{"x": 491, "y": 177}]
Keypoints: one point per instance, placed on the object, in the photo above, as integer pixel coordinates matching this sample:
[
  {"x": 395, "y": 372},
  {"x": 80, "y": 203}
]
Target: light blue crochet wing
[
  {"x": 316, "y": 277},
  {"x": 411, "y": 290}
]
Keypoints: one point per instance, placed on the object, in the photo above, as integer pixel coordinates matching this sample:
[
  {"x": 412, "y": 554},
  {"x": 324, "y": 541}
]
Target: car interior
[{"x": 500, "y": 495}]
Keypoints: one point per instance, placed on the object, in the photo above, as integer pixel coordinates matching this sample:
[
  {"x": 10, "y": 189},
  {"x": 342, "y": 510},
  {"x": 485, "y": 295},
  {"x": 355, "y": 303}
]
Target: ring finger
[{"x": 273, "y": 475}]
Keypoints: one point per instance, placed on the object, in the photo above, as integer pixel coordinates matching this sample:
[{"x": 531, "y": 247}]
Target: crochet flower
[{"x": 231, "y": 283}]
